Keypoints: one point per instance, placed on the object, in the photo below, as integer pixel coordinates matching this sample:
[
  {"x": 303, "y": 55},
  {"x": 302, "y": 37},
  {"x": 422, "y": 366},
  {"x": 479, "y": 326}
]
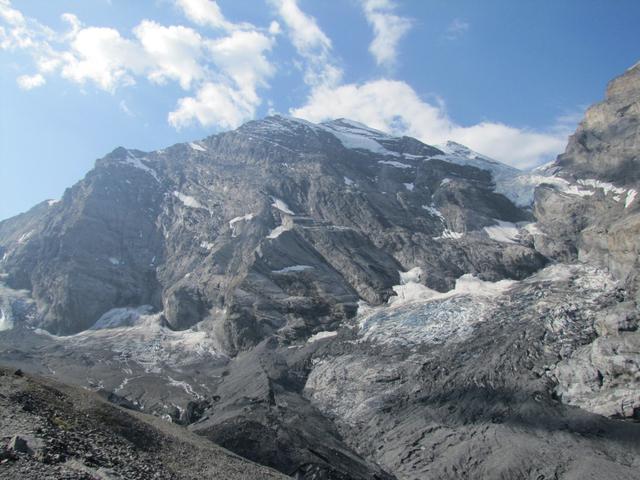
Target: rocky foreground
[{"x": 54, "y": 431}]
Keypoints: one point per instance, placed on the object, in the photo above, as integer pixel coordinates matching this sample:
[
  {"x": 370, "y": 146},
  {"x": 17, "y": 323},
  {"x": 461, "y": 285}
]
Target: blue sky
[{"x": 507, "y": 78}]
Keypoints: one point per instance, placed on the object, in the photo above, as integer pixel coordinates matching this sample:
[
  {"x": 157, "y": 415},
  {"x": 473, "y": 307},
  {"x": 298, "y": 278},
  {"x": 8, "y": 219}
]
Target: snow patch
[
  {"x": 393, "y": 163},
  {"x": 321, "y": 336},
  {"x": 281, "y": 205},
  {"x": 434, "y": 211},
  {"x": 246, "y": 217},
  {"x": 137, "y": 163},
  {"x": 411, "y": 290},
  {"x": 631, "y": 196},
  {"x": 293, "y": 268},
  {"x": 412, "y": 275},
  {"x": 587, "y": 188},
  {"x": 115, "y": 261},
  {"x": 187, "y": 200},
  {"x": 25, "y": 236},
  {"x": 197, "y": 147},
  {"x": 605, "y": 186},
  {"x": 206, "y": 245},
  {"x": 234, "y": 221},
  {"x": 356, "y": 136},
  {"x": 505, "y": 232},
  {"x": 449, "y": 234},
  {"x": 533, "y": 229},
  {"x": 52, "y": 202},
  {"x": 5, "y": 322},
  {"x": 276, "y": 232},
  {"x": 348, "y": 182},
  {"x": 409, "y": 186}
]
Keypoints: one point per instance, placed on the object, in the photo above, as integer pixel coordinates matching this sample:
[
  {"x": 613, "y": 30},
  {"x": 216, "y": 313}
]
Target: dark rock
[{"x": 18, "y": 444}]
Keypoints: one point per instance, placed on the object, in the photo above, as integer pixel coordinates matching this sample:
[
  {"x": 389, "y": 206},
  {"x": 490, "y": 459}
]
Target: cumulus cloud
[
  {"x": 207, "y": 12},
  {"x": 310, "y": 42},
  {"x": 102, "y": 56},
  {"x": 28, "y": 82},
  {"x": 241, "y": 56},
  {"x": 173, "y": 53},
  {"x": 393, "y": 106},
  {"x": 388, "y": 29},
  {"x": 222, "y": 73},
  {"x": 214, "y": 104}
]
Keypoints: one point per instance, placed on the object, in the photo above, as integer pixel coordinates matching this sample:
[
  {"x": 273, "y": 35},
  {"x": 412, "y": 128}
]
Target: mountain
[
  {"x": 339, "y": 303},
  {"x": 208, "y": 229}
]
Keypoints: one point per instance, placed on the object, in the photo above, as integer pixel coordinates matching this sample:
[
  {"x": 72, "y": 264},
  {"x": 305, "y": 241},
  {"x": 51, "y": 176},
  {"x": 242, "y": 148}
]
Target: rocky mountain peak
[{"x": 340, "y": 303}]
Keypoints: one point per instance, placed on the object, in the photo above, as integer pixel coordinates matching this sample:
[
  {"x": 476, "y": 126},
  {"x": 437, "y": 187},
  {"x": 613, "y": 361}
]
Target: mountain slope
[{"x": 71, "y": 433}]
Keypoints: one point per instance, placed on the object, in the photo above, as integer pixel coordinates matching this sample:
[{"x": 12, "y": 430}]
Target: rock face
[
  {"x": 601, "y": 228},
  {"x": 338, "y": 303},
  {"x": 606, "y": 145}
]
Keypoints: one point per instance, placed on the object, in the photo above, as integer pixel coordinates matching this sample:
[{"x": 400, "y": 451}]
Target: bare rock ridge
[{"x": 338, "y": 303}]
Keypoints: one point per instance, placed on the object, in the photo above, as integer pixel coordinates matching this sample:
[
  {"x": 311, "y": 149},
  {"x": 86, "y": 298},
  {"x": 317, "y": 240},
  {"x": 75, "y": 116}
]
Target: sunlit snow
[
  {"x": 187, "y": 200},
  {"x": 5, "y": 322},
  {"x": 631, "y": 196},
  {"x": 393, "y": 163},
  {"x": 356, "y": 136},
  {"x": 197, "y": 147},
  {"x": 321, "y": 336},
  {"x": 137, "y": 163},
  {"x": 281, "y": 205},
  {"x": 293, "y": 268},
  {"x": 505, "y": 232},
  {"x": 276, "y": 232}
]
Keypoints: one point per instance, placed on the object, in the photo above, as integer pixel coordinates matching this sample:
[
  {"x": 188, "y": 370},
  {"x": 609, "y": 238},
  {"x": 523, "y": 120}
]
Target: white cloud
[
  {"x": 310, "y": 42},
  {"x": 388, "y": 29},
  {"x": 274, "y": 28},
  {"x": 214, "y": 104},
  {"x": 224, "y": 73},
  {"x": 457, "y": 28},
  {"x": 207, "y": 12},
  {"x": 241, "y": 56},
  {"x": 21, "y": 32},
  {"x": 101, "y": 55},
  {"x": 393, "y": 106},
  {"x": 29, "y": 82},
  {"x": 174, "y": 53}
]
